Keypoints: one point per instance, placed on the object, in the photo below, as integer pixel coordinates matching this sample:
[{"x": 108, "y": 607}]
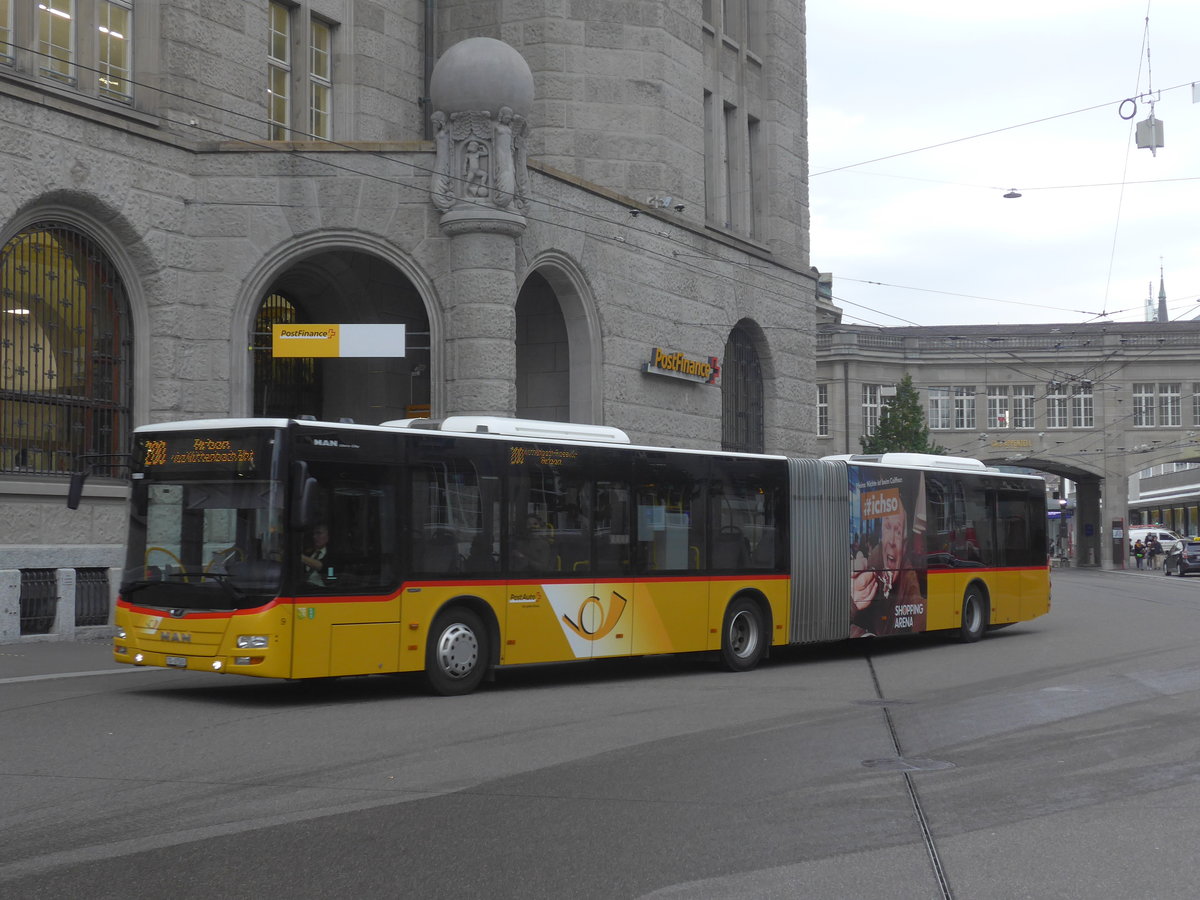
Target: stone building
[
  {"x": 568, "y": 206},
  {"x": 1096, "y": 404}
]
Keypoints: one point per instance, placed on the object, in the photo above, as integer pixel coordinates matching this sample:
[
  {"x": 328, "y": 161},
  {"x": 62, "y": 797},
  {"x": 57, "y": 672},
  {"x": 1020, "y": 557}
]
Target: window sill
[{"x": 23, "y": 87}]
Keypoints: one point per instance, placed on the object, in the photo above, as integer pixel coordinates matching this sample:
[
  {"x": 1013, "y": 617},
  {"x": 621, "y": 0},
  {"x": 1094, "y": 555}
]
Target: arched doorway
[
  {"x": 741, "y": 393},
  {"x": 342, "y": 287},
  {"x": 65, "y": 352},
  {"x": 543, "y": 354}
]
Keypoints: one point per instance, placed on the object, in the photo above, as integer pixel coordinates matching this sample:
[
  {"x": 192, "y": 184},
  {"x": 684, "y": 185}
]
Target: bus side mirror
[
  {"x": 75, "y": 489},
  {"x": 87, "y": 462}
]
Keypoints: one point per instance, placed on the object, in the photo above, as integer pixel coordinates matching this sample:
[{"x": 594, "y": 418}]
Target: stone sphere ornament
[
  {"x": 481, "y": 73},
  {"x": 481, "y": 92}
]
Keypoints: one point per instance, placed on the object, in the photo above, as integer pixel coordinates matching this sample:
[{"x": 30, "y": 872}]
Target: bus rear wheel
[
  {"x": 743, "y": 636},
  {"x": 974, "y": 616},
  {"x": 456, "y": 656}
]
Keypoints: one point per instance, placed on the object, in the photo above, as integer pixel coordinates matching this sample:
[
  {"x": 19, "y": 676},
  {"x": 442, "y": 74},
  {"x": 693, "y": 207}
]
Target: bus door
[
  {"x": 1012, "y": 544},
  {"x": 346, "y": 612},
  {"x": 452, "y": 532}
]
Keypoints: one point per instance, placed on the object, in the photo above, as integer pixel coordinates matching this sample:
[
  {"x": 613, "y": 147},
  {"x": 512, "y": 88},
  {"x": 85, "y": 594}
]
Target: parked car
[
  {"x": 1184, "y": 558},
  {"x": 1168, "y": 539}
]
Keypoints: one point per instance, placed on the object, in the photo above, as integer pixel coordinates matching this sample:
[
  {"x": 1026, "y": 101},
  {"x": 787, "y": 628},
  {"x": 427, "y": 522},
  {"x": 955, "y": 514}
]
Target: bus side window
[
  {"x": 453, "y": 515},
  {"x": 356, "y": 509},
  {"x": 671, "y": 521},
  {"x": 550, "y": 518},
  {"x": 749, "y": 518}
]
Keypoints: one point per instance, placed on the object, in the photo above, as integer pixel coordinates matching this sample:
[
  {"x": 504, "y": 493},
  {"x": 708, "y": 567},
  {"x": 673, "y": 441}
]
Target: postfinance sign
[
  {"x": 676, "y": 365},
  {"x": 337, "y": 340}
]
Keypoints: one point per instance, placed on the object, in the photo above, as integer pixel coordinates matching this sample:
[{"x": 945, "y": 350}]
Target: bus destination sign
[{"x": 239, "y": 452}]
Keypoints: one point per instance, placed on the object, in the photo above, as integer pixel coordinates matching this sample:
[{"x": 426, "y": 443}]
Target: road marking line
[{"x": 74, "y": 674}]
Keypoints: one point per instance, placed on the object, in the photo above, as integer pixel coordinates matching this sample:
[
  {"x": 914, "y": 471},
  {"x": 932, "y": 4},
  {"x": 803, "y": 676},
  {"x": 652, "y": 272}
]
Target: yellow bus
[{"x": 304, "y": 549}]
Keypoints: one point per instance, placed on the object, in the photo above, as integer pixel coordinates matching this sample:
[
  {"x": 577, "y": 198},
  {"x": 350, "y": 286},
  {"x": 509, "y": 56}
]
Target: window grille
[
  {"x": 741, "y": 395},
  {"x": 39, "y": 600},
  {"x": 91, "y": 597},
  {"x": 65, "y": 352},
  {"x": 283, "y": 386}
]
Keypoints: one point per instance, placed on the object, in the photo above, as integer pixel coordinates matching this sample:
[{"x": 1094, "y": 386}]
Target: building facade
[
  {"x": 1096, "y": 404},
  {"x": 593, "y": 201}
]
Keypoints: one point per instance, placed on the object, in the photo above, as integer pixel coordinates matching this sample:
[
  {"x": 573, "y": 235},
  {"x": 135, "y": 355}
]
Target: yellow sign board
[
  {"x": 304, "y": 340},
  {"x": 326, "y": 341}
]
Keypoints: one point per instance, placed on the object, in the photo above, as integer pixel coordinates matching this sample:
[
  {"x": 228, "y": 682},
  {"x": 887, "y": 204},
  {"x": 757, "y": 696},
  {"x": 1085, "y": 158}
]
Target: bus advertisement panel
[{"x": 887, "y": 544}]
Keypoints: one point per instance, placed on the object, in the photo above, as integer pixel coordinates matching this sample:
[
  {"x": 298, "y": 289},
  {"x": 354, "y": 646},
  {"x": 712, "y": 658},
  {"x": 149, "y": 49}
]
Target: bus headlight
[{"x": 252, "y": 641}]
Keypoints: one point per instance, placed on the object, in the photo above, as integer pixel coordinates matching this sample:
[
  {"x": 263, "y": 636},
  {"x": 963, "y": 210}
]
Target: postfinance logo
[{"x": 595, "y": 620}]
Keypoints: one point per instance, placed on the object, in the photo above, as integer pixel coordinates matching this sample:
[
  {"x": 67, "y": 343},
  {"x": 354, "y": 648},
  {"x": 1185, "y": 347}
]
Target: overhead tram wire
[
  {"x": 906, "y": 287},
  {"x": 1112, "y": 256},
  {"x": 982, "y": 134},
  {"x": 323, "y": 159}
]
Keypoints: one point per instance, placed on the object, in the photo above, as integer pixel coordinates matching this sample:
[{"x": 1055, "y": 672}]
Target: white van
[{"x": 1169, "y": 539}]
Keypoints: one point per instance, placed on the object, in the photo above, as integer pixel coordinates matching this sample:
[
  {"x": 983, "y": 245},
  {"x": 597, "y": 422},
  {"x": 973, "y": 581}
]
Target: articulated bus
[{"x": 302, "y": 549}]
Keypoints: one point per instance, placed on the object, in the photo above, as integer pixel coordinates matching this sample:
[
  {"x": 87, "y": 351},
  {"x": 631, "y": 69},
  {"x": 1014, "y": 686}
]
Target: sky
[{"x": 927, "y": 237}]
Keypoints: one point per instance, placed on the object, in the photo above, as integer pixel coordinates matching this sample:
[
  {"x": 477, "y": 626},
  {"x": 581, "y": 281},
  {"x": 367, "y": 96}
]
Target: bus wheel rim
[
  {"x": 743, "y": 636},
  {"x": 458, "y": 651}
]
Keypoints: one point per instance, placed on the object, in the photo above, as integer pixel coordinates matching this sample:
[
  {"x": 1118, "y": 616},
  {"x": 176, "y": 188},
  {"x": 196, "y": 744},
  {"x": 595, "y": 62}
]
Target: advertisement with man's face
[{"x": 887, "y": 551}]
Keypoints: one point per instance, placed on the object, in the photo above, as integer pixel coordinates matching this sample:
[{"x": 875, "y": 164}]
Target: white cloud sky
[{"x": 886, "y": 77}]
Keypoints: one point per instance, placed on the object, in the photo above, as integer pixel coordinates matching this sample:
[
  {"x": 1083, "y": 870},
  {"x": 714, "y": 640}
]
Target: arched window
[
  {"x": 65, "y": 352},
  {"x": 283, "y": 387},
  {"x": 741, "y": 394}
]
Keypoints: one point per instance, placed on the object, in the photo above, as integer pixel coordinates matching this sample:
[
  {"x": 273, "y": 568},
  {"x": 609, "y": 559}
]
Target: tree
[{"x": 902, "y": 427}]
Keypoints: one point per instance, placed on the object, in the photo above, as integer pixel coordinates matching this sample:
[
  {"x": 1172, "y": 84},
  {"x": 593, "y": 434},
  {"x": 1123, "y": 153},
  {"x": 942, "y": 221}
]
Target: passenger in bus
[
  {"x": 317, "y": 564},
  {"x": 884, "y": 580},
  {"x": 531, "y": 550}
]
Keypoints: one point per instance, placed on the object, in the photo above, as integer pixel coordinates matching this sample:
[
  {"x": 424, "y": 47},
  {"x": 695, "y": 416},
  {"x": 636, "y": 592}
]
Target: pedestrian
[
  {"x": 1153, "y": 549},
  {"x": 1139, "y": 553}
]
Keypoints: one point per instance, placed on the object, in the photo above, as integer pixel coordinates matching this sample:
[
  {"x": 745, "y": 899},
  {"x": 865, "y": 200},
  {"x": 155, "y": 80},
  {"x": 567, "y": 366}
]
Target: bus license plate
[{"x": 180, "y": 662}]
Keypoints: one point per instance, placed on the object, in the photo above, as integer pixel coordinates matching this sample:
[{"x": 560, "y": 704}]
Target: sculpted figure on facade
[
  {"x": 480, "y": 161},
  {"x": 442, "y": 187},
  {"x": 481, "y": 90}
]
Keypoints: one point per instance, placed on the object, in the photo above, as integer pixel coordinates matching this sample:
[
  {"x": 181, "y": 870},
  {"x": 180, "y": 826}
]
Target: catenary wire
[{"x": 322, "y": 159}]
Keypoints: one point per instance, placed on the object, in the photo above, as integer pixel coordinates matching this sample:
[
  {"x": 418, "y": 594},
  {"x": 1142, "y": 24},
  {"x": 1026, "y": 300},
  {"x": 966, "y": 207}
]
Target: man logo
[{"x": 593, "y": 621}]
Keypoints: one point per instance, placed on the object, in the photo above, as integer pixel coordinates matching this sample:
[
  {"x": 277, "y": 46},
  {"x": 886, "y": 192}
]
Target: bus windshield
[{"x": 203, "y": 535}]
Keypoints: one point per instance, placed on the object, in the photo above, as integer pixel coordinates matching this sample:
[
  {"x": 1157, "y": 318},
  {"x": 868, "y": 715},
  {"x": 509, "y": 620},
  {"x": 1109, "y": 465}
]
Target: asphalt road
[{"x": 1054, "y": 759}]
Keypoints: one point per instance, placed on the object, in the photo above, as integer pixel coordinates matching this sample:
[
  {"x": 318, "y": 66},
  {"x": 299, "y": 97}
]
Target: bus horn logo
[{"x": 593, "y": 621}]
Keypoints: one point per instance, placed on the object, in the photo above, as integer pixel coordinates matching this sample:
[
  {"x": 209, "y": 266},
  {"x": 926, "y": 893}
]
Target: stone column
[
  {"x": 481, "y": 336},
  {"x": 481, "y": 91}
]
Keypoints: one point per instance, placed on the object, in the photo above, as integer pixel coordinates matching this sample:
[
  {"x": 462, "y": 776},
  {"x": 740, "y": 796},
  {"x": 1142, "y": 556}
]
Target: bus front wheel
[
  {"x": 743, "y": 636},
  {"x": 456, "y": 656},
  {"x": 974, "y": 616}
]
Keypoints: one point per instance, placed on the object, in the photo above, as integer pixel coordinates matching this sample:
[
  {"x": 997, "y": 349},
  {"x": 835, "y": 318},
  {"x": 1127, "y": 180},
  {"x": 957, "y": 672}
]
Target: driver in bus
[
  {"x": 884, "y": 580},
  {"x": 317, "y": 565}
]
